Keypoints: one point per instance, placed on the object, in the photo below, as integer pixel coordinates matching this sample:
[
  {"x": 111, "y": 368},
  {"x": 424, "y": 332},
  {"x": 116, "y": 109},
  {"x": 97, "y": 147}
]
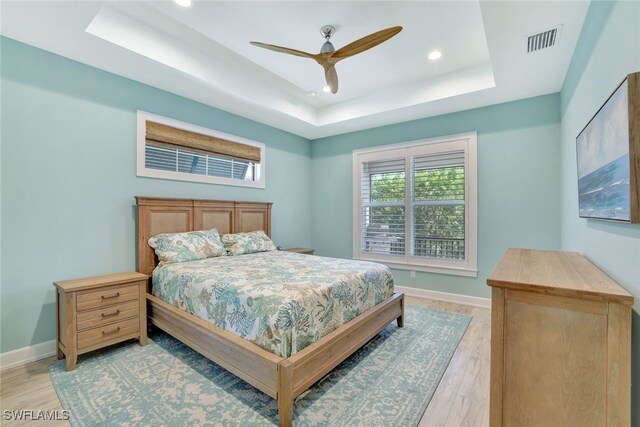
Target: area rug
[{"x": 389, "y": 382}]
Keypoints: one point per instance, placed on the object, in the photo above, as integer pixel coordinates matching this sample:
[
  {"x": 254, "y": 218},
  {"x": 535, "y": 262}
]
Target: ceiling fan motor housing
[{"x": 327, "y": 47}]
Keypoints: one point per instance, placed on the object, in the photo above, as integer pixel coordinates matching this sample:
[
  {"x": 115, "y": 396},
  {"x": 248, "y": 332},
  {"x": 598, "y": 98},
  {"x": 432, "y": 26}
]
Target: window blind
[
  {"x": 438, "y": 205},
  {"x": 415, "y": 205},
  {"x": 164, "y": 136},
  {"x": 180, "y": 160},
  {"x": 171, "y": 149},
  {"x": 383, "y": 207}
]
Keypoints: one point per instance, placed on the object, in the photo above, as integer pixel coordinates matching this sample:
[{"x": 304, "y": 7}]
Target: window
[
  {"x": 415, "y": 205},
  {"x": 176, "y": 150}
]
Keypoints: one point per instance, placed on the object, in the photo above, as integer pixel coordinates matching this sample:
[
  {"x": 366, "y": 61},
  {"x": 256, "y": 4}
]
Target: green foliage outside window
[{"x": 438, "y": 221}]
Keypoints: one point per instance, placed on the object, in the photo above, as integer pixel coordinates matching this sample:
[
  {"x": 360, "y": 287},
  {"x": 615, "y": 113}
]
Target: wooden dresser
[
  {"x": 98, "y": 311},
  {"x": 560, "y": 342}
]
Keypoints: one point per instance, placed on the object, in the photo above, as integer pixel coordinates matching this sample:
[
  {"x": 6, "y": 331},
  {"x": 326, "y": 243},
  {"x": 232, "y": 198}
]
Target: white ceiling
[
  {"x": 401, "y": 59},
  {"x": 203, "y": 52}
]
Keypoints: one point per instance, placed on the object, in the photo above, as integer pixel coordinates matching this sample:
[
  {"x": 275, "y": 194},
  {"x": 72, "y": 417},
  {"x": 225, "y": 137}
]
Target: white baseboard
[
  {"x": 445, "y": 296},
  {"x": 28, "y": 354}
]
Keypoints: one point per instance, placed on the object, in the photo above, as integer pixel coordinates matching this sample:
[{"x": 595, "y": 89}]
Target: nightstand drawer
[
  {"x": 106, "y": 333},
  {"x": 108, "y": 296},
  {"x": 106, "y": 315}
]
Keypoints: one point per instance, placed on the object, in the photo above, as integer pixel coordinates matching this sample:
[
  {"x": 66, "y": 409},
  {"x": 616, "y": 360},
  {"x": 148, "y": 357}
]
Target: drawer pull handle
[
  {"x": 115, "y": 331},
  {"x": 115, "y": 313},
  {"x": 111, "y": 296}
]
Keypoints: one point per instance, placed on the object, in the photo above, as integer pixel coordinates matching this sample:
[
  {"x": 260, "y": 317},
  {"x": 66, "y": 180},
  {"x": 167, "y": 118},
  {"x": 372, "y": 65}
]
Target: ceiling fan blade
[
  {"x": 284, "y": 50},
  {"x": 332, "y": 78},
  {"x": 365, "y": 43}
]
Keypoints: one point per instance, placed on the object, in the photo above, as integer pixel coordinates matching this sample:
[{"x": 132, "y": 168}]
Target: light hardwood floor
[{"x": 461, "y": 399}]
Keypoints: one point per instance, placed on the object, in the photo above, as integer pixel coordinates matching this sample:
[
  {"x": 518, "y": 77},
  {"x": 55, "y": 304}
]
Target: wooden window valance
[{"x": 161, "y": 135}]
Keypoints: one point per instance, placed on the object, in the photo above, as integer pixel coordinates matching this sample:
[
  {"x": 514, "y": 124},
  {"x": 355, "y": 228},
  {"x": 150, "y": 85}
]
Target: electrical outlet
[{"x": 412, "y": 274}]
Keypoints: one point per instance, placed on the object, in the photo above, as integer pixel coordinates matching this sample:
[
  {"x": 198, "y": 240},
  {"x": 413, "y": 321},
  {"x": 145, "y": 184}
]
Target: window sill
[{"x": 453, "y": 271}]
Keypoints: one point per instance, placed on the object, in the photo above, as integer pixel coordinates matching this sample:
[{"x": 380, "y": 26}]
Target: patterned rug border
[{"x": 160, "y": 341}]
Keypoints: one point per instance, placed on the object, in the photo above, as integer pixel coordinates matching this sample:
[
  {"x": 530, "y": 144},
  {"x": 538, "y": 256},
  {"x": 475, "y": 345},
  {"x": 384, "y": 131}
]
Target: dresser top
[
  {"x": 557, "y": 273},
  {"x": 99, "y": 281}
]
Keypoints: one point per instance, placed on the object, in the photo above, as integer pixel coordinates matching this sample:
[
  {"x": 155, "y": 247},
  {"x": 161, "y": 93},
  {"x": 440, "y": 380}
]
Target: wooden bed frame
[{"x": 281, "y": 378}]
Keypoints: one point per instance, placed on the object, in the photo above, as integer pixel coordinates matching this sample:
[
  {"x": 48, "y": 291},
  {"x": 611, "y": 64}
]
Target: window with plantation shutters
[
  {"x": 176, "y": 150},
  {"x": 415, "y": 205},
  {"x": 383, "y": 207},
  {"x": 437, "y": 205}
]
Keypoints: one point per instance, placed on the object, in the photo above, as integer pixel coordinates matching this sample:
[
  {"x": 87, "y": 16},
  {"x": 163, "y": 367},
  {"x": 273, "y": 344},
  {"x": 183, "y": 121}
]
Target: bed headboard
[{"x": 163, "y": 215}]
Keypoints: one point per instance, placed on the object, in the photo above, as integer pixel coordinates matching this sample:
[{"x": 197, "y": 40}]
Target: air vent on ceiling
[{"x": 543, "y": 40}]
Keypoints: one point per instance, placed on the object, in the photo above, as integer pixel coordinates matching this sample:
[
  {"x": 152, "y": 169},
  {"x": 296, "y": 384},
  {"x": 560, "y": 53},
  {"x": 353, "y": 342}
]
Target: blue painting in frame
[{"x": 603, "y": 161}]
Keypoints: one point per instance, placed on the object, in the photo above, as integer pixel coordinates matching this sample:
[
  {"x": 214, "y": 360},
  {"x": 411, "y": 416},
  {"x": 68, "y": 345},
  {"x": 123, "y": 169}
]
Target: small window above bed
[{"x": 170, "y": 149}]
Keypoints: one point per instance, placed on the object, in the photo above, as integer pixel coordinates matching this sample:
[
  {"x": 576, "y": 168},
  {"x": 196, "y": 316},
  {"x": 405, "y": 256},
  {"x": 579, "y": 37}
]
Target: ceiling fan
[{"x": 328, "y": 56}]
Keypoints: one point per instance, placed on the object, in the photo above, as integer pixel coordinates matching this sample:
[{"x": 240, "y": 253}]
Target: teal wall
[
  {"x": 67, "y": 165},
  {"x": 518, "y": 176},
  {"x": 68, "y": 177},
  {"x": 608, "y": 49},
  {"x": 68, "y": 143}
]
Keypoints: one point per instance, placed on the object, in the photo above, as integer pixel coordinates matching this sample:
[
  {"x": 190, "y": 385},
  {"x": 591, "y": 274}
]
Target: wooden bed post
[
  {"x": 400, "y": 318},
  {"x": 285, "y": 393}
]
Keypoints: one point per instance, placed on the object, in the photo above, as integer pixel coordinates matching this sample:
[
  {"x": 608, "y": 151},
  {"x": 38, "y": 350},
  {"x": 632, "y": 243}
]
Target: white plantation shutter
[
  {"x": 415, "y": 205},
  {"x": 161, "y": 158},
  {"x": 438, "y": 205},
  {"x": 180, "y": 160},
  {"x": 383, "y": 207}
]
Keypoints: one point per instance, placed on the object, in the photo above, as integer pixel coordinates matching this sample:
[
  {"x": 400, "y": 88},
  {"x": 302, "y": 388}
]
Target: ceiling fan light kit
[{"x": 328, "y": 56}]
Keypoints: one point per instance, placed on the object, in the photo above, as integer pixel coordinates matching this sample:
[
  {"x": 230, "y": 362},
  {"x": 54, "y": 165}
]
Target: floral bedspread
[{"x": 281, "y": 301}]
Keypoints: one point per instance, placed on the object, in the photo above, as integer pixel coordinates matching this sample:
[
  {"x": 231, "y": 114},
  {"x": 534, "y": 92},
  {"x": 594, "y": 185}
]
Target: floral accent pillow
[
  {"x": 247, "y": 243},
  {"x": 190, "y": 246}
]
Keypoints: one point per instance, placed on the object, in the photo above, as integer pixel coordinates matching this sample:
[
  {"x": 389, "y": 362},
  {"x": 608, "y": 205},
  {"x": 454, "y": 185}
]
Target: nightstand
[
  {"x": 98, "y": 311},
  {"x": 306, "y": 251}
]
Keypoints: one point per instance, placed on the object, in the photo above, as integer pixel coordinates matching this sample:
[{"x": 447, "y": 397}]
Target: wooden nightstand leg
[
  {"x": 59, "y": 353},
  {"x": 143, "y": 313},
  {"x": 71, "y": 340},
  {"x": 71, "y": 362}
]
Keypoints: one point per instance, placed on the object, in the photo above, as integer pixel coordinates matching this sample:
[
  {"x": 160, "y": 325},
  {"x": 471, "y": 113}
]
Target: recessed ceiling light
[
  {"x": 435, "y": 54},
  {"x": 311, "y": 94},
  {"x": 326, "y": 89},
  {"x": 184, "y": 3}
]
